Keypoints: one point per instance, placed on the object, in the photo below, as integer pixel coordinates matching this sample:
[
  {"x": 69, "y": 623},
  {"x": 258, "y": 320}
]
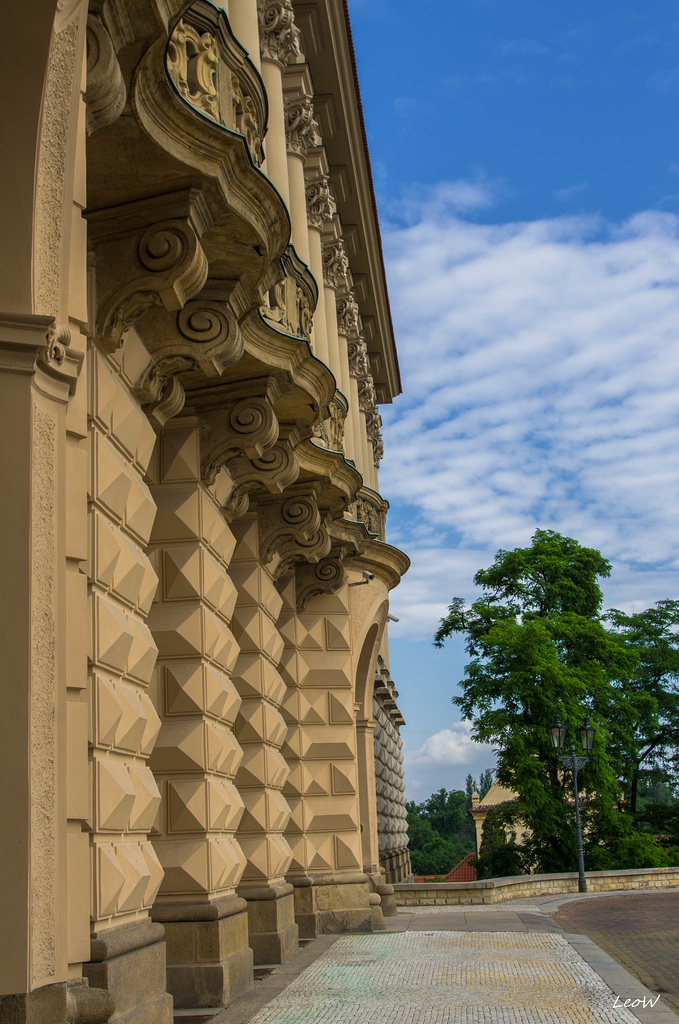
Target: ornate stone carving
[
  {"x": 57, "y": 359},
  {"x": 325, "y": 577},
  {"x": 247, "y": 123},
  {"x": 335, "y": 424},
  {"x": 301, "y": 130},
  {"x": 320, "y": 204},
  {"x": 291, "y": 302},
  {"x": 370, "y": 508},
  {"x": 160, "y": 392},
  {"x": 373, "y": 422},
  {"x": 367, "y": 399},
  {"x": 292, "y": 529},
  {"x": 273, "y": 471},
  {"x": 359, "y": 366},
  {"x": 192, "y": 64},
  {"x": 335, "y": 265},
  {"x": 211, "y": 72},
  {"x": 243, "y": 426},
  {"x": 143, "y": 262},
  {"x": 106, "y": 94},
  {"x": 279, "y": 39},
  {"x": 348, "y": 319}
]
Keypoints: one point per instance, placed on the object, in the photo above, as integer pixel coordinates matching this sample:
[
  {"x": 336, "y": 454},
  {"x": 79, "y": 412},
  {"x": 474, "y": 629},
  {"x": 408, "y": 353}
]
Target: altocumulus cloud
[{"x": 541, "y": 378}]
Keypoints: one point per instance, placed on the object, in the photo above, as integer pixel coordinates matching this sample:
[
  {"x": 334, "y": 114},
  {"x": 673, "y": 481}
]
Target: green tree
[
  {"x": 538, "y": 647},
  {"x": 651, "y": 752},
  {"x": 440, "y": 832},
  {"x": 500, "y": 855}
]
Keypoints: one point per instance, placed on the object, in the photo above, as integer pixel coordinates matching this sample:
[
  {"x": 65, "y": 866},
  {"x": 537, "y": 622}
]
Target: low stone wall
[{"x": 497, "y": 890}]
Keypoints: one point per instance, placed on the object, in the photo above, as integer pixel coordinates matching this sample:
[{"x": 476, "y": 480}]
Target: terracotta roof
[{"x": 465, "y": 871}]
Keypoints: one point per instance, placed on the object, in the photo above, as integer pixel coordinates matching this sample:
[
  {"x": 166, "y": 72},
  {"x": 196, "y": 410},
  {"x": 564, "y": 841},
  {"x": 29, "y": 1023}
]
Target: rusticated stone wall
[
  {"x": 392, "y": 827},
  {"x": 126, "y": 873},
  {"x": 197, "y": 754}
]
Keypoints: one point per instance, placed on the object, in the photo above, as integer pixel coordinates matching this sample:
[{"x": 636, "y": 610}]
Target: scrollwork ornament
[
  {"x": 367, "y": 398},
  {"x": 279, "y": 38},
  {"x": 206, "y": 325},
  {"x": 358, "y": 359},
  {"x": 325, "y": 577},
  {"x": 348, "y": 320},
  {"x": 192, "y": 62},
  {"x": 320, "y": 204},
  {"x": 301, "y": 130},
  {"x": 336, "y": 265}
]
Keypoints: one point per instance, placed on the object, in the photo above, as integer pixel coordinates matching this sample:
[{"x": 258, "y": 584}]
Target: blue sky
[{"x": 526, "y": 164}]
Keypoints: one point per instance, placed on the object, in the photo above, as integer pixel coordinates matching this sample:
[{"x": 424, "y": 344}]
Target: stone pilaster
[
  {"x": 196, "y": 755},
  {"x": 331, "y": 891},
  {"x": 130, "y": 955},
  {"x": 260, "y": 730}
]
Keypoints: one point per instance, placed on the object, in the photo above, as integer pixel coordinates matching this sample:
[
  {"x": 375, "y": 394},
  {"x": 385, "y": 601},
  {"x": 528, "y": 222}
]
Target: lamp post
[{"x": 557, "y": 734}]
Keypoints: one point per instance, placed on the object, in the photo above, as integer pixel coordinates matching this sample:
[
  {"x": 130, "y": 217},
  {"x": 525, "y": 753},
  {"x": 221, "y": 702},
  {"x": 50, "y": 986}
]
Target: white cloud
[
  {"x": 540, "y": 364},
  {"x": 452, "y": 746}
]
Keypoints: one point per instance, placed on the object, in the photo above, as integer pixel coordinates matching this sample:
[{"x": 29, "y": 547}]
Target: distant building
[{"x": 495, "y": 796}]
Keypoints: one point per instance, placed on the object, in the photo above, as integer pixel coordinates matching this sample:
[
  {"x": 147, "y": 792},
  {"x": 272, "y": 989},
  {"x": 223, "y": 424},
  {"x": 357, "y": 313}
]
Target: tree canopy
[{"x": 539, "y": 647}]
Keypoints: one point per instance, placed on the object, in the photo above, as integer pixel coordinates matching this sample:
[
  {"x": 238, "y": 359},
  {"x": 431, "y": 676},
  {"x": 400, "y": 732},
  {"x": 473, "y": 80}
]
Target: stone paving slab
[{"x": 447, "y": 978}]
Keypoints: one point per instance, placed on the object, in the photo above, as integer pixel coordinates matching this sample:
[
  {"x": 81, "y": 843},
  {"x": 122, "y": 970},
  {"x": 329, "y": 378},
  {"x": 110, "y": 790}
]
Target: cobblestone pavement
[
  {"x": 640, "y": 931},
  {"x": 519, "y": 962},
  {"x": 447, "y": 978}
]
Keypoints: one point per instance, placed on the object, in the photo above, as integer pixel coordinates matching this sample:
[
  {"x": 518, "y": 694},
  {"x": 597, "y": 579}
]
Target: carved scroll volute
[
  {"x": 292, "y": 529},
  {"x": 271, "y": 472},
  {"x": 320, "y": 202},
  {"x": 106, "y": 94},
  {"x": 335, "y": 265},
  {"x": 203, "y": 335},
  {"x": 301, "y": 129},
  {"x": 279, "y": 39},
  {"x": 247, "y": 427},
  {"x": 324, "y": 577},
  {"x": 147, "y": 254}
]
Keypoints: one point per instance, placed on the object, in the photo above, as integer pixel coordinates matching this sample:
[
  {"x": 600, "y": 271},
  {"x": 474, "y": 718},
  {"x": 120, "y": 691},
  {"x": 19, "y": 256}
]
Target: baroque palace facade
[{"x": 200, "y": 735}]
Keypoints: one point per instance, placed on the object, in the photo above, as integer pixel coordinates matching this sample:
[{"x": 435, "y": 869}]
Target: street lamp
[{"x": 557, "y": 735}]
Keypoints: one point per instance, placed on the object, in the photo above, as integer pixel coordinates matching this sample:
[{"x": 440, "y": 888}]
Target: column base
[
  {"x": 329, "y": 904},
  {"x": 59, "y": 1004},
  {"x": 129, "y": 962},
  {"x": 273, "y": 933},
  {"x": 376, "y": 876},
  {"x": 209, "y": 961}
]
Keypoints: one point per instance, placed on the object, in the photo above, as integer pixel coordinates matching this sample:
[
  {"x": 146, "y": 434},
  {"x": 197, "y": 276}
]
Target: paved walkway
[
  {"x": 640, "y": 931},
  {"x": 512, "y": 964}
]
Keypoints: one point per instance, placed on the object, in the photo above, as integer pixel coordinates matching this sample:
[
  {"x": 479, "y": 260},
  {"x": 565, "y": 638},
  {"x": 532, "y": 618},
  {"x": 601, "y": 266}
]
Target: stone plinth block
[
  {"x": 129, "y": 962},
  {"x": 274, "y": 935}
]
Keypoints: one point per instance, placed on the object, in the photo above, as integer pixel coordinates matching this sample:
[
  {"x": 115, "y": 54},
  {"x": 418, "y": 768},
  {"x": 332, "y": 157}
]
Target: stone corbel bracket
[
  {"x": 324, "y": 577},
  {"x": 147, "y": 253},
  {"x": 272, "y": 472},
  {"x": 236, "y": 421},
  {"x": 292, "y": 528}
]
